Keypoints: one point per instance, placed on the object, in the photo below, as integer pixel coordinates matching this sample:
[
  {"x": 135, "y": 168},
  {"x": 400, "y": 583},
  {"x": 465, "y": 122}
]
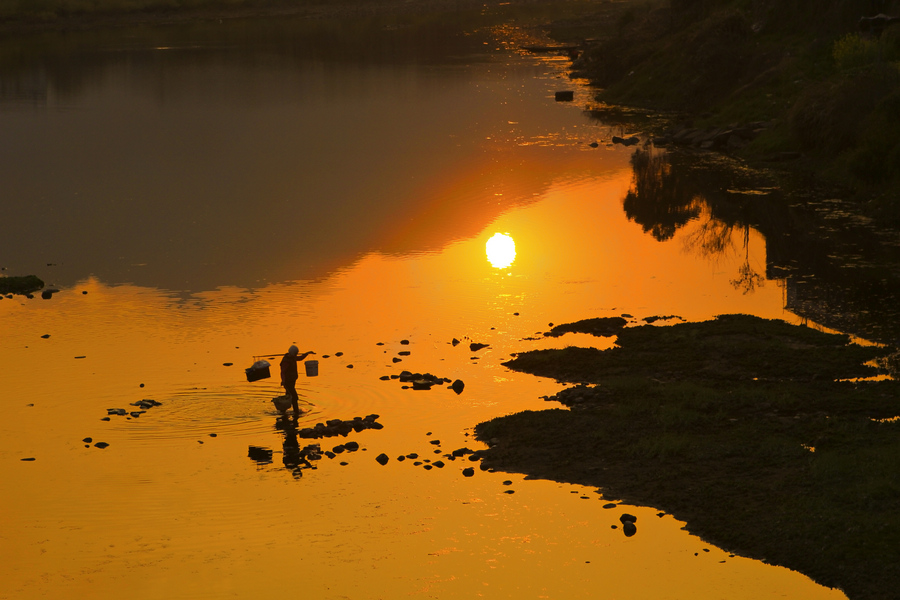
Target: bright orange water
[{"x": 168, "y": 511}]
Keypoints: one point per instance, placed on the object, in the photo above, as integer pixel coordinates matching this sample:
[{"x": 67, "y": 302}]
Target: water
[{"x": 208, "y": 194}]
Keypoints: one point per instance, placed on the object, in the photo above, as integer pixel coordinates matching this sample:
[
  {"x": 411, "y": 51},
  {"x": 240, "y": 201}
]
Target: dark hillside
[{"x": 824, "y": 80}]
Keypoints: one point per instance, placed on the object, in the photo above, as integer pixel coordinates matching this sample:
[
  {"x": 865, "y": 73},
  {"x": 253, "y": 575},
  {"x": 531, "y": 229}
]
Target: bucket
[
  {"x": 312, "y": 368},
  {"x": 259, "y": 370}
]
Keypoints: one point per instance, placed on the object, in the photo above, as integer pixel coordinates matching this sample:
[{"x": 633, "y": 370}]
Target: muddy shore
[{"x": 757, "y": 433}]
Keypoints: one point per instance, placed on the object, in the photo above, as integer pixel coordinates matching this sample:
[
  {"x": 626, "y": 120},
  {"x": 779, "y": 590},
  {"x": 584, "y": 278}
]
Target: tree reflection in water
[
  {"x": 661, "y": 199},
  {"x": 667, "y": 194}
]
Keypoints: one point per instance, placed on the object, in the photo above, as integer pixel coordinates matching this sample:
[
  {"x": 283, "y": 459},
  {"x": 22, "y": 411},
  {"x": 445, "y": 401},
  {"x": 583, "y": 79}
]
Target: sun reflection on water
[{"x": 501, "y": 250}]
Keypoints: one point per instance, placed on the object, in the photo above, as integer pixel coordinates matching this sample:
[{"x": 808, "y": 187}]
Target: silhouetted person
[{"x": 289, "y": 375}]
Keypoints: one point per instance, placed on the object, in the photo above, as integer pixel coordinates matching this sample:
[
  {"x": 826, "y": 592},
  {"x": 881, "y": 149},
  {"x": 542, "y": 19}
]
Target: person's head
[{"x": 293, "y": 350}]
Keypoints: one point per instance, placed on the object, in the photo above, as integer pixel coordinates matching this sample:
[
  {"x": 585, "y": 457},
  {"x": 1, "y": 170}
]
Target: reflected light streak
[{"x": 501, "y": 250}]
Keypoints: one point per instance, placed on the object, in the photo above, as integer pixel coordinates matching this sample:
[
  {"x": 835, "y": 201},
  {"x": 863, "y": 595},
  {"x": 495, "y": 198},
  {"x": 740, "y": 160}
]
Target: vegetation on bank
[
  {"x": 829, "y": 90},
  {"x": 759, "y": 434}
]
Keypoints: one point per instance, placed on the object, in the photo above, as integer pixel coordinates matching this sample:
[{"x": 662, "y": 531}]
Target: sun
[{"x": 501, "y": 250}]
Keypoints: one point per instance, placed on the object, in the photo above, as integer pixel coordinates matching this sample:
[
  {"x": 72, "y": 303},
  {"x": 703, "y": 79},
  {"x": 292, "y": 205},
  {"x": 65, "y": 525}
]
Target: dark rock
[
  {"x": 382, "y": 459},
  {"x": 401, "y": 458},
  {"x": 396, "y": 360},
  {"x": 412, "y": 456},
  {"x": 29, "y": 459},
  {"x": 385, "y": 378},
  {"x": 592, "y": 145},
  {"x": 20, "y": 285},
  {"x": 214, "y": 435},
  {"x": 626, "y": 518},
  {"x": 564, "y": 96},
  {"x": 435, "y": 442},
  {"x": 629, "y": 528},
  {"x": 330, "y": 454},
  {"x": 455, "y": 342},
  {"x": 338, "y": 353},
  {"x": 422, "y": 384},
  {"x": 404, "y": 353},
  {"x": 631, "y": 141},
  {"x": 610, "y": 505},
  {"x": 507, "y": 482},
  {"x": 439, "y": 464},
  {"x": 457, "y": 386},
  {"x": 260, "y": 454},
  {"x": 404, "y": 342},
  {"x": 461, "y": 452},
  {"x": 428, "y": 467},
  {"x": 101, "y": 445},
  {"x": 87, "y": 440},
  {"x": 351, "y": 446},
  {"x": 45, "y": 336},
  {"x": 349, "y": 366},
  {"x": 468, "y": 472},
  {"x": 509, "y": 491},
  {"x": 475, "y": 347}
]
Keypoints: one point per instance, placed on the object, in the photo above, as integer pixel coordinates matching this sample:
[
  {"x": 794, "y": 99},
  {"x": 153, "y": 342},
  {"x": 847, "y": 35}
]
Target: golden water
[{"x": 174, "y": 508}]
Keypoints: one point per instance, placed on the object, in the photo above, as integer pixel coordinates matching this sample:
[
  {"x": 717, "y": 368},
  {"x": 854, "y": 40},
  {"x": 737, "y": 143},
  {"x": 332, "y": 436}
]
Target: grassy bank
[
  {"x": 828, "y": 92},
  {"x": 754, "y": 432}
]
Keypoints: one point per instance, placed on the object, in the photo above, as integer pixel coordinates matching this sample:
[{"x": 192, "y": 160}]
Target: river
[{"x": 206, "y": 194}]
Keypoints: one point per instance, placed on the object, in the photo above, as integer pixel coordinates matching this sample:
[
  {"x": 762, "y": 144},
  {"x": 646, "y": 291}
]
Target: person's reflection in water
[{"x": 293, "y": 459}]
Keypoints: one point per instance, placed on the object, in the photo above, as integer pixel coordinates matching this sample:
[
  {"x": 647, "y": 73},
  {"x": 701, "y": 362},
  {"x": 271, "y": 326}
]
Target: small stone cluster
[
  {"x": 428, "y": 464},
  {"x": 335, "y": 427},
  {"x": 425, "y": 381},
  {"x": 580, "y": 396},
  {"x": 144, "y": 405},
  {"x": 720, "y": 139}
]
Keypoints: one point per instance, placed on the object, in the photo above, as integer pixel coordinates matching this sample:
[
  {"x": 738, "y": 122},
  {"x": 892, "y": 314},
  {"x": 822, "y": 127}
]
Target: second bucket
[{"x": 312, "y": 368}]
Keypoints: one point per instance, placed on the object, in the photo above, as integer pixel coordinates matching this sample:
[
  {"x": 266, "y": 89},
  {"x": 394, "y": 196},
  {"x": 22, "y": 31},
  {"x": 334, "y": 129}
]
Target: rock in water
[{"x": 382, "y": 459}]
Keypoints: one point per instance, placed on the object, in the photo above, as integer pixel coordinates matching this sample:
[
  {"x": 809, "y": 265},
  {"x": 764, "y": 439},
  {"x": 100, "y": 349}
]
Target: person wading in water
[{"x": 289, "y": 375}]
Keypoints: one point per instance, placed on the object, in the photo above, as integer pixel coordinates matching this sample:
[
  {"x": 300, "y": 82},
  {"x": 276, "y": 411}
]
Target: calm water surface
[{"x": 205, "y": 195}]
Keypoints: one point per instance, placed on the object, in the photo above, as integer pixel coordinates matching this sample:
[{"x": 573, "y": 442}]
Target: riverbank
[
  {"x": 821, "y": 92},
  {"x": 756, "y": 433}
]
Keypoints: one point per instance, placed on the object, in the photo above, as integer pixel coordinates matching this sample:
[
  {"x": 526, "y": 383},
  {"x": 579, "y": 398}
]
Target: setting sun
[{"x": 501, "y": 250}]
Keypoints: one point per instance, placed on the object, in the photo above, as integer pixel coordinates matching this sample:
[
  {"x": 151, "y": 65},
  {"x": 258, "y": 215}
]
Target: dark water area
[{"x": 182, "y": 147}]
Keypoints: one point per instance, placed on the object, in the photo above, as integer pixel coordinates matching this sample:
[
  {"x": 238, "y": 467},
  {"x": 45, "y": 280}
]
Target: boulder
[{"x": 382, "y": 459}]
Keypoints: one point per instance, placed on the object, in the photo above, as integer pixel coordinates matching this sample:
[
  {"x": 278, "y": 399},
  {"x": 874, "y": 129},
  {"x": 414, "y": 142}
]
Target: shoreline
[{"x": 749, "y": 430}]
